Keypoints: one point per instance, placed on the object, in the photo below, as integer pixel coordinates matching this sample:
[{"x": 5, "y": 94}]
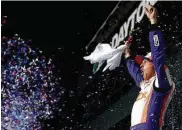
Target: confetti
[{"x": 28, "y": 85}]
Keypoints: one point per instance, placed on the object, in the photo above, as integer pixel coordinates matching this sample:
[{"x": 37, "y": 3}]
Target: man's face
[{"x": 147, "y": 69}]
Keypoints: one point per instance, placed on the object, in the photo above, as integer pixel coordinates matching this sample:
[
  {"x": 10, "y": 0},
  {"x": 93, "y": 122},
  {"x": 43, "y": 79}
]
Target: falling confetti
[{"x": 28, "y": 85}]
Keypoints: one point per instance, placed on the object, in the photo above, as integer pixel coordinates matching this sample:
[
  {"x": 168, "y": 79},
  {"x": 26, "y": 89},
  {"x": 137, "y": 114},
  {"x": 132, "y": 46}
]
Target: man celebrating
[{"x": 153, "y": 78}]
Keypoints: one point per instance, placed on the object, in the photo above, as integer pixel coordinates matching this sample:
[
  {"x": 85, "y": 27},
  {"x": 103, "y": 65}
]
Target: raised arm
[
  {"x": 157, "y": 45},
  {"x": 133, "y": 68}
]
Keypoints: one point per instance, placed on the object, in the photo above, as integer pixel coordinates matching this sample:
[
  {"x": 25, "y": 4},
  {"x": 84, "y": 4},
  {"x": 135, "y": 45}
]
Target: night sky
[
  {"x": 61, "y": 30},
  {"x": 55, "y": 24}
]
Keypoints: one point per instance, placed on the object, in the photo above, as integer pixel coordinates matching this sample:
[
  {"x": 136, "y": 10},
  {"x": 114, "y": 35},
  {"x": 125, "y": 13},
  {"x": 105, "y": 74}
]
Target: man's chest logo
[{"x": 141, "y": 96}]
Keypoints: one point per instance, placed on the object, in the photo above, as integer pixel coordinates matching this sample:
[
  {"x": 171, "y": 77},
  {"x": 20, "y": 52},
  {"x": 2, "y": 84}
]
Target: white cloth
[{"x": 104, "y": 52}]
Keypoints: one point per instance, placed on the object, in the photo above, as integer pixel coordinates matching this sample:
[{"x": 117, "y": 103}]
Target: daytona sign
[{"x": 129, "y": 24}]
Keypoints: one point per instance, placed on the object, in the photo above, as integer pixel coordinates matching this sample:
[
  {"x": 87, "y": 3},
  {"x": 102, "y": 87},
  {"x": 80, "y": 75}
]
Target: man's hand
[
  {"x": 151, "y": 13},
  {"x": 127, "y": 52}
]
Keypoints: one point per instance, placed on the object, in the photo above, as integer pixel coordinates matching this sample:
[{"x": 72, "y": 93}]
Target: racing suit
[{"x": 150, "y": 106}]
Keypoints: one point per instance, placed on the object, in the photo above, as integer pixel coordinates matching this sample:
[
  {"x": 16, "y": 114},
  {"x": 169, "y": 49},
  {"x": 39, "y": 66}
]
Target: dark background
[{"x": 62, "y": 30}]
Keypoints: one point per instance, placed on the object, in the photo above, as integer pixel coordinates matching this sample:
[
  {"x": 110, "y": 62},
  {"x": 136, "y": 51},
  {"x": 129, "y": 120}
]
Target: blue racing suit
[{"x": 155, "y": 95}]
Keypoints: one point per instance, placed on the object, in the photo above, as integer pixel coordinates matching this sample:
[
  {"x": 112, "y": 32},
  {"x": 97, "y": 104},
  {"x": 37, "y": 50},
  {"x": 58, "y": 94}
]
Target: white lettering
[
  {"x": 115, "y": 41},
  {"x": 132, "y": 20},
  {"x": 126, "y": 27},
  {"x": 156, "y": 40},
  {"x": 121, "y": 35},
  {"x": 141, "y": 7}
]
